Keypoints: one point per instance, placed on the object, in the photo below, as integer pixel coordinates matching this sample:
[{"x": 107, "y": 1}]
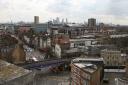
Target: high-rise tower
[
  {"x": 92, "y": 22},
  {"x": 36, "y": 19}
]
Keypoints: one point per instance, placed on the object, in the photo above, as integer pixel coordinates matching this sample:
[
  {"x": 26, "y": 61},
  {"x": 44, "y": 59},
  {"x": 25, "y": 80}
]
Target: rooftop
[
  {"x": 72, "y": 50},
  {"x": 10, "y": 72},
  {"x": 88, "y": 59},
  {"x": 88, "y": 67}
]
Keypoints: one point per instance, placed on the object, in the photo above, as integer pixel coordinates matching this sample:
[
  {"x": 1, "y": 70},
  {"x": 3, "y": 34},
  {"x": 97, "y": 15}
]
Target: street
[{"x": 32, "y": 54}]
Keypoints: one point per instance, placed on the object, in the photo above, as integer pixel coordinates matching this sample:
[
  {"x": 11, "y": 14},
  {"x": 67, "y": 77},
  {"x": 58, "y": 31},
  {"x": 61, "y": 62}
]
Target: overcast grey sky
[{"x": 108, "y": 11}]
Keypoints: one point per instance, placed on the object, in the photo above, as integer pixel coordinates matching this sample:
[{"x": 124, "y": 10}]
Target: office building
[
  {"x": 36, "y": 19},
  {"x": 91, "y": 22},
  {"x": 113, "y": 57}
]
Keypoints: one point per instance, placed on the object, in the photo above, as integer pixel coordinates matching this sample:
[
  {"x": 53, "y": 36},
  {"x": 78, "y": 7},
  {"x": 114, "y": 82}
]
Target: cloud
[
  {"x": 118, "y": 8},
  {"x": 4, "y": 4},
  {"x": 75, "y": 10},
  {"x": 60, "y": 6}
]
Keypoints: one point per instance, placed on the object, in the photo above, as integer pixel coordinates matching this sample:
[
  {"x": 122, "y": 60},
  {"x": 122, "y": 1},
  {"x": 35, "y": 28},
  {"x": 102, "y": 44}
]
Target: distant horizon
[
  {"x": 86, "y": 21},
  {"x": 106, "y": 11}
]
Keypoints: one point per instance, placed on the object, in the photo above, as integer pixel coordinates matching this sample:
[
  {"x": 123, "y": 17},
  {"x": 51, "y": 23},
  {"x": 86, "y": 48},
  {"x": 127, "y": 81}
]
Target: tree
[{"x": 30, "y": 33}]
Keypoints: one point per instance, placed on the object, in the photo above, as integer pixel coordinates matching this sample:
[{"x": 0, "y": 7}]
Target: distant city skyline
[{"x": 107, "y": 11}]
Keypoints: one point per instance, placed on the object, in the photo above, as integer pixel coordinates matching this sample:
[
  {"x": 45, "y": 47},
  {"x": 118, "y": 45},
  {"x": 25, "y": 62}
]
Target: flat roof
[
  {"x": 115, "y": 70},
  {"x": 81, "y": 39},
  {"x": 88, "y": 59},
  {"x": 10, "y": 72},
  {"x": 88, "y": 67}
]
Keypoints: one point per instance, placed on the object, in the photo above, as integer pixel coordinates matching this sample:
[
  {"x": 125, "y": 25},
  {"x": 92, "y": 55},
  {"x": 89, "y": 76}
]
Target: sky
[{"x": 107, "y": 11}]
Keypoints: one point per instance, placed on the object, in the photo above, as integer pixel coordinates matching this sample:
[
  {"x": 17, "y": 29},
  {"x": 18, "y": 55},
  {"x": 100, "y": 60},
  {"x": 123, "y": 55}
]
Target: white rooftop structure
[
  {"x": 87, "y": 63},
  {"x": 87, "y": 59},
  {"x": 87, "y": 67},
  {"x": 118, "y": 36},
  {"x": 115, "y": 70}
]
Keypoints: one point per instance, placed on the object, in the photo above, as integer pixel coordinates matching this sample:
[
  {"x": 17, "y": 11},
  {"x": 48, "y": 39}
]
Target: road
[{"x": 33, "y": 55}]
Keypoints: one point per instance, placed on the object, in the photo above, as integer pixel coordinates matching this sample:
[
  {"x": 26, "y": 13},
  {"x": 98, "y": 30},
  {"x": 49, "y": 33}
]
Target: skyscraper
[
  {"x": 36, "y": 19},
  {"x": 92, "y": 22},
  {"x": 66, "y": 21}
]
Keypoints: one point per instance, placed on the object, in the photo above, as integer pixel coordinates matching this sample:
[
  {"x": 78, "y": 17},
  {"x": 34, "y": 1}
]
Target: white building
[
  {"x": 81, "y": 42},
  {"x": 58, "y": 51}
]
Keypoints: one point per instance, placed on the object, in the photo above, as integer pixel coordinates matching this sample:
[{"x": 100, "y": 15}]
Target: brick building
[{"x": 86, "y": 71}]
